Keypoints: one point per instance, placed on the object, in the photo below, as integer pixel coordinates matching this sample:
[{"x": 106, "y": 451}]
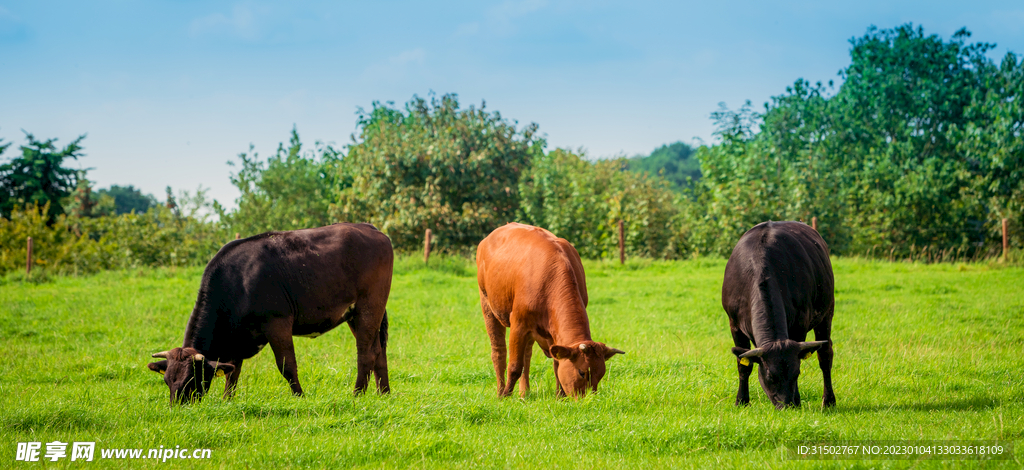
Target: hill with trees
[{"x": 676, "y": 162}]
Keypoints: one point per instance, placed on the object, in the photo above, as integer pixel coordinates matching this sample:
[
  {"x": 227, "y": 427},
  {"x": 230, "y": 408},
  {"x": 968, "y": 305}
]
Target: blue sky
[{"x": 169, "y": 90}]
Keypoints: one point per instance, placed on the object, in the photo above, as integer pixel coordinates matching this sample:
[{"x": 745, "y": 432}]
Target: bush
[
  {"x": 290, "y": 190},
  {"x": 435, "y": 166},
  {"x": 582, "y": 201},
  {"x": 74, "y": 245}
]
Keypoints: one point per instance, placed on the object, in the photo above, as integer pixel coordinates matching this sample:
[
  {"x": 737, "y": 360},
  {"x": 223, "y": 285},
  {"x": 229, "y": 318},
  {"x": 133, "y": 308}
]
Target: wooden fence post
[
  {"x": 1006, "y": 238},
  {"x": 814, "y": 223},
  {"x": 426, "y": 247},
  {"x": 622, "y": 243},
  {"x": 28, "y": 259}
]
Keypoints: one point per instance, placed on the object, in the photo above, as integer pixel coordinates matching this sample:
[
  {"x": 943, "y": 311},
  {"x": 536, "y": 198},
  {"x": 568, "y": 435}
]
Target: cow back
[
  {"x": 306, "y": 274},
  {"x": 778, "y": 281},
  {"x": 532, "y": 270}
]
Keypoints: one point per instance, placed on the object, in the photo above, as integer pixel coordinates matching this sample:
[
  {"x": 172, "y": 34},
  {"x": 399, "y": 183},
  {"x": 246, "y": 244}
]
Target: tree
[
  {"x": 38, "y": 177},
  {"x": 290, "y": 190},
  {"x": 903, "y": 95},
  {"x": 3, "y": 146},
  {"x": 433, "y": 165},
  {"x": 128, "y": 199},
  {"x": 992, "y": 144},
  {"x": 674, "y": 162},
  {"x": 917, "y": 152},
  {"x": 583, "y": 201}
]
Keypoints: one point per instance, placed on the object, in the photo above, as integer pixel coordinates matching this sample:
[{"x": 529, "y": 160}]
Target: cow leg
[
  {"x": 823, "y": 332},
  {"x": 743, "y": 394},
  {"x": 231, "y": 381},
  {"x": 496, "y": 333},
  {"x": 796, "y": 385},
  {"x": 517, "y": 343},
  {"x": 279, "y": 334},
  {"x": 380, "y": 371},
  {"x": 524, "y": 381},
  {"x": 378, "y": 346},
  {"x": 559, "y": 392},
  {"x": 365, "y": 326}
]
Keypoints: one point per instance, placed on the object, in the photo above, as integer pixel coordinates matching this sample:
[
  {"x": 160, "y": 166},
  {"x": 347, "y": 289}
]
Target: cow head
[
  {"x": 188, "y": 373},
  {"x": 779, "y": 367},
  {"x": 581, "y": 365}
]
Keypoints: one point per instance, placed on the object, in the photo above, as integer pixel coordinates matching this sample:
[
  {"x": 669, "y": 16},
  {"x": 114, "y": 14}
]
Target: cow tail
[{"x": 383, "y": 334}]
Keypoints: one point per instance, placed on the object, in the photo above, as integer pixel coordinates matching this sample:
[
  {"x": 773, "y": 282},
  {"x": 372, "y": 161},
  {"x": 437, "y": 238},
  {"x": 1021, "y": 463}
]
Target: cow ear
[
  {"x": 609, "y": 352},
  {"x": 808, "y": 348},
  {"x": 562, "y": 353},
  {"x": 158, "y": 366},
  {"x": 740, "y": 352},
  {"x": 223, "y": 368}
]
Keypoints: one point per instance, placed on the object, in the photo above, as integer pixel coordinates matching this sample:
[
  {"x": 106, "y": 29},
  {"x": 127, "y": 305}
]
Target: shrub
[
  {"x": 81, "y": 245},
  {"x": 582, "y": 201},
  {"x": 454, "y": 171}
]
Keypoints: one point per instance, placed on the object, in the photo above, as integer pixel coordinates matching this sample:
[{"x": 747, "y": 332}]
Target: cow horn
[
  {"x": 161, "y": 354},
  {"x": 198, "y": 357},
  {"x": 756, "y": 352},
  {"x": 616, "y": 351},
  {"x": 812, "y": 344},
  {"x": 583, "y": 347}
]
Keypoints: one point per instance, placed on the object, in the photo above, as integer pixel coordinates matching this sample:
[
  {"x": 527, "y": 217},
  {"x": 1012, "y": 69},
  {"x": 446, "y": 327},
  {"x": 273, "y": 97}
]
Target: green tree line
[
  {"x": 918, "y": 152},
  {"x": 76, "y": 230}
]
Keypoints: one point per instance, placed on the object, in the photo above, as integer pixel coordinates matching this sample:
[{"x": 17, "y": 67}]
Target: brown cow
[
  {"x": 533, "y": 282},
  {"x": 270, "y": 287}
]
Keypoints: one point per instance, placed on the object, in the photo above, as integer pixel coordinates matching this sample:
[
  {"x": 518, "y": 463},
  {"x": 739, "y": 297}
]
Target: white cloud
[
  {"x": 412, "y": 56},
  {"x": 467, "y": 29},
  {"x": 11, "y": 27},
  {"x": 501, "y": 18},
  {"x": 514, "y": 9},
  {"x": 241, "y": 22},
  {"x": 396, "y": 66}
]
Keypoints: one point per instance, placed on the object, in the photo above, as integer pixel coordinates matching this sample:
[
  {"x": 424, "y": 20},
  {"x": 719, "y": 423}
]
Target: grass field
[{"x": 922, "y": 352}]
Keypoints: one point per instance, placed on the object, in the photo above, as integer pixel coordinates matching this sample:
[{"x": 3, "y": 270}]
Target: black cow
[
  {"x": 778, "y": 286},
  {"x": 270, "y": 287}
]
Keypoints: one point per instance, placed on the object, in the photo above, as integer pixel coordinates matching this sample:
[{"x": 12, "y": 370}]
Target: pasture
[{"x": 922, "y": 352}]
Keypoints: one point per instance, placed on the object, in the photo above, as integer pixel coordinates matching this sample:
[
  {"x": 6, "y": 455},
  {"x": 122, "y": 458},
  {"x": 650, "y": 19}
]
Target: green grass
[{"x": 922, "y": 352}]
